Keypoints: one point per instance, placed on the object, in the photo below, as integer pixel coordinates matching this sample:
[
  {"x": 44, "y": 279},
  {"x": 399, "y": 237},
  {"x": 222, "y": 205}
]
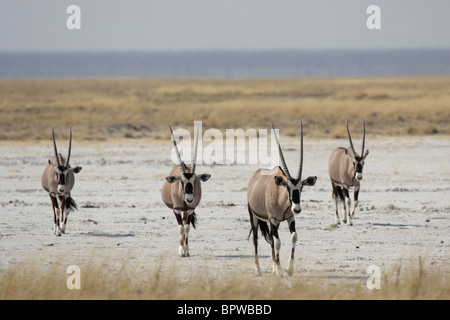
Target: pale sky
[{"x": 226, "y": 24}]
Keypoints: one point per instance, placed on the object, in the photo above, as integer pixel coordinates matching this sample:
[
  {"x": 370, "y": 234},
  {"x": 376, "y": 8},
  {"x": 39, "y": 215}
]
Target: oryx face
[
  {"x": 358, "y": 164},
  {"x": 61, "y": 173},
  {"x": 188, "y": 183},
  {"x": 61, "y": 177},
  {"x": 294, "y": 189}
]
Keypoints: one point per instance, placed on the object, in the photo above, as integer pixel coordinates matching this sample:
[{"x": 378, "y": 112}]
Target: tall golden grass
[
  {"x": 99, "y": 109},
  {"x": 31, "y": 280}
]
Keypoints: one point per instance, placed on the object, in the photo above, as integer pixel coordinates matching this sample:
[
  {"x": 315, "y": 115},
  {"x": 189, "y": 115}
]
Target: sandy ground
[{"x": 403, "y": 213}]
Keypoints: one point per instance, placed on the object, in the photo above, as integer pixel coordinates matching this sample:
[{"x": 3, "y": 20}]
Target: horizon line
[{"x": 230, "y": 50}]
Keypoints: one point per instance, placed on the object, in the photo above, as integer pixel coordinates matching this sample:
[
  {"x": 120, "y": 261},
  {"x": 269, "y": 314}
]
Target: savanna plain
[{"x": 125, "y": 241}]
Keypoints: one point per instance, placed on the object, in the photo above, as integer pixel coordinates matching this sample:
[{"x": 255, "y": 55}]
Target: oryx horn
[
  {"x": 194, "y": 161},
  {"x": 70, "y": 148},
  {"x": 299, "y": 174},
  {"x": 176, "y": 151},
  {"x": 364, "y": 138},
  {"x": 55, "y": 149},
  {"x": 363, "y": 142},
  {"x": 283, "y": 162},
  {"x": 350, "y": 140}
]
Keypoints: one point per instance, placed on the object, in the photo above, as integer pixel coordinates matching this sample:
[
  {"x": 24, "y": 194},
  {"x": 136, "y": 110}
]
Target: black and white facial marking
[
  {"x": 187, "y": 183},
  {"x": 358, "y": 165},
  {"x": 61, "y": 177},
  {"x": 294, "y": 188}
]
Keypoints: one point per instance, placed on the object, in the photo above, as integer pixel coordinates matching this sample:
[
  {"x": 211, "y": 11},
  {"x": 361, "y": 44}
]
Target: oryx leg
[
  {"x": 55, "y": 207},
  {"x": 254, "y": 226},
  {"x": 291, "y": 223},
  {"x": 347, "y": 204},
  {"x": 355, "y": 204},
  {"x": 187, "y": 216},
  {"x": 276, "y": 244},
  {"x": 62, "y": 207},
  {"x": 181, "y": 229},
  {"x": 336, "y": 197},
  {"x": 65, "y": 215}
]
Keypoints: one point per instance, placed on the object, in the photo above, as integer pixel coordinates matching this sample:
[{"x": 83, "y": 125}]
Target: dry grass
[
  {"x": 100, "y": 109},
  {"x": 30, "y": 280}
]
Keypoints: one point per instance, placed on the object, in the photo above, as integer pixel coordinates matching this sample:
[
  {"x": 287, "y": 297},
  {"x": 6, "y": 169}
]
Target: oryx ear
[
  {"x": 279, "y": 181},
  {"x": 366, "y": 154},
  {"x": 49, "y": 162},
  {"x": 76, "y": 169},
  {"x": 172, "y": 179},
  {"x": 310, "y": 181},
  {"x": 204, "y": 177}
]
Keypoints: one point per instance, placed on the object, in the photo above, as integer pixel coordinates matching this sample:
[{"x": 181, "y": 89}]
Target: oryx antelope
[
  {"x": 182, "y": 193},
  {"x": 58, "y": 180},
  {"x": 345, "y": 167},
  {"x": 273, "y": 196}
]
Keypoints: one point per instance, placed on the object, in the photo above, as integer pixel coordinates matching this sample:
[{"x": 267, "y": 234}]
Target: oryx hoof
[
  {"x": 278, "y": 271},
  {"x": 183, "y": 253},
  {"x": 344, "y": 221}
]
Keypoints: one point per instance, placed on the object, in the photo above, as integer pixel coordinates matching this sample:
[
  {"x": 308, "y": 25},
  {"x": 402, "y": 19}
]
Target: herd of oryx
[{"x": 273, "y": 195}]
